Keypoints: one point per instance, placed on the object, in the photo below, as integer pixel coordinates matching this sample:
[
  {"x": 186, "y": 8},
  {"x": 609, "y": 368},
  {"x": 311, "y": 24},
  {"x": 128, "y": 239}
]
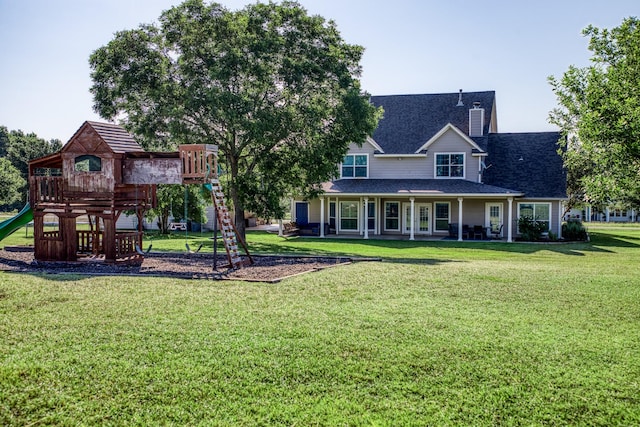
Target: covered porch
[{"x": 431, "y": 209}]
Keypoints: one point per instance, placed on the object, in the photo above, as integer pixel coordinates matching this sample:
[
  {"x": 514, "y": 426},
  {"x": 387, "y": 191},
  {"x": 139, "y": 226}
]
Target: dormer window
[
  {"x": 355, "y": 166},
  {"x": 450, "y": 165},
  {"x": 88, "y": 163}
]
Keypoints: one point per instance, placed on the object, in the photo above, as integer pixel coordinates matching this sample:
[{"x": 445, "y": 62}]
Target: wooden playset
[{"x": 101, "y": 173}]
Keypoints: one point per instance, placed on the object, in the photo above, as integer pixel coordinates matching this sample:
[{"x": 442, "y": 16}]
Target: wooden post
[{"x": 109, "y": 239}]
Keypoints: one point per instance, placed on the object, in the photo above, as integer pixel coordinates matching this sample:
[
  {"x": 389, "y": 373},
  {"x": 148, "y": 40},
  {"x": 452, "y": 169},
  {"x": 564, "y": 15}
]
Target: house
[{"x": 437, "y": 166}]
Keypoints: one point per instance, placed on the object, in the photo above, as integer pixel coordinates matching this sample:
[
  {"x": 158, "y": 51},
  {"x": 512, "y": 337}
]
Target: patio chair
[
  {"x": 466, "y": 232},
  {"x": 478, "y": 232},
  {"x": 495, "y": 234},
  {"x": 453, "y": 230}
]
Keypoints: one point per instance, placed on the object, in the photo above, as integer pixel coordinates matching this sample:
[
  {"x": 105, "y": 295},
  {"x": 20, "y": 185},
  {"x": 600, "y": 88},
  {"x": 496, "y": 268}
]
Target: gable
[
  {"x": 450, "y": 138},
  {"x": 87, "y": 141}
]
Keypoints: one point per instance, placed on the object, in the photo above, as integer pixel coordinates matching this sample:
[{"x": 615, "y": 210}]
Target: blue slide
[{"x": 10, "y": 225}]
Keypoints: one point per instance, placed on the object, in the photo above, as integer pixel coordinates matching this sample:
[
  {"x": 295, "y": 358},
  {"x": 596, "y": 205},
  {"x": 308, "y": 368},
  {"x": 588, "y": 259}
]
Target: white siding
[
  {"x": 418, "y": 167},
  {"x": 451, "y": 142},
  {"x": 399, "y": 168}
]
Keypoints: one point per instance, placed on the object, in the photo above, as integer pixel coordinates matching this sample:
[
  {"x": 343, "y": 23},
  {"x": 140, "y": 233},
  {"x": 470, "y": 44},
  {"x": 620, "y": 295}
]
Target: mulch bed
[{"x": 180, "y": 265}]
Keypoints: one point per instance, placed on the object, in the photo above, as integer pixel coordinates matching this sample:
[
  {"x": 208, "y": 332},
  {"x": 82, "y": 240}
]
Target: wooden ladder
[{"x": 227, "y": 228}]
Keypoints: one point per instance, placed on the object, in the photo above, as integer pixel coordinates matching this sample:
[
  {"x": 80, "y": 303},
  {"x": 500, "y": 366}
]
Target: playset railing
[
  {"x": 126, "y": 245},
  {"x": 46, "y": 189},
  {"x": 198, "y": 162}
]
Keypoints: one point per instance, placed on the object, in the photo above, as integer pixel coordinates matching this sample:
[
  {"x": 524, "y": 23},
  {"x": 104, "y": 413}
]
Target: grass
[{"x": 437, "y": 333}]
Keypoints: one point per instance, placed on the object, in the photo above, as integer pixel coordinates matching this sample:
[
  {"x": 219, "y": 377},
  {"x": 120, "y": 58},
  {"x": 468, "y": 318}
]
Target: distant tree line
[{"x": 16, "y": 150}]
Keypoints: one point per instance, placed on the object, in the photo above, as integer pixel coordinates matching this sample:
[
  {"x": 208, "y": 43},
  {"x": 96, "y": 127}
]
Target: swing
[
  {"x": 186, "y": 232},
  {"x": 141, "y": 252}
]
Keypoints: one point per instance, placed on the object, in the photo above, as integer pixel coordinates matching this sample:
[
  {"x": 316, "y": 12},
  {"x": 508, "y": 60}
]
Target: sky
[{"x": 411, "y": 47}]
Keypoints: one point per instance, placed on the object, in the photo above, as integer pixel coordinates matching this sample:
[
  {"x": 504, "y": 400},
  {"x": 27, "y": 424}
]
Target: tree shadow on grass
[{"x": 600, "y": 242}]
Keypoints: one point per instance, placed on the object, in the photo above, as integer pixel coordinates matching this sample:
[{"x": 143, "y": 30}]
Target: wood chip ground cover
[{"x": 181, "y": 265}]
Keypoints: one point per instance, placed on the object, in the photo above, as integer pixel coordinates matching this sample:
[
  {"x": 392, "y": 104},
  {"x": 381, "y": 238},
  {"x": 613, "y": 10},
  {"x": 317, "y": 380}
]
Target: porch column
[
  {"x": 366, "y": 217},
  {"x": 377, "y": 216},
  {"x": 560, "y": 209},
  {"x": 510, "y": 220},
  {"x": 412, "y": 219},
  {"x": 321, "y": 216},
  {"x": 607, "y": 213},
  {"x": 337, "y": 215},
  {"x": 459, "y": 219}
]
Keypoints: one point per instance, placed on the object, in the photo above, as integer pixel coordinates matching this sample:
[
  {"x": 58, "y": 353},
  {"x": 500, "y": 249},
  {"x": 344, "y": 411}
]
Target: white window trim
[
  {"x": 534, "y": 203},
  {"x": 339, "y": 224},
  {"x": 435, "y": 230},
  {"x": 435, "y": 165},
  {"x": 384, "y": 216},
  {"x": 354, "y": 165}
]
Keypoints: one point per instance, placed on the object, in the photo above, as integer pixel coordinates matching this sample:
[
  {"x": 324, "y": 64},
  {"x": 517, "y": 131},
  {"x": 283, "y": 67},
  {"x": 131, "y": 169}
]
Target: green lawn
[{"x": 437, "y": 333}]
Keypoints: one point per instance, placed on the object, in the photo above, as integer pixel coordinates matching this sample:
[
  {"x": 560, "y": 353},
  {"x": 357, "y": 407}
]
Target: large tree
[
  {"x": 599, "y": 113},
  {"x": 275, "y": 88}
]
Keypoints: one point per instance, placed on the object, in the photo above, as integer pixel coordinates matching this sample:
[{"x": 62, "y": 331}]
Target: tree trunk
[
  {"x": 238, "y": 215},
  {"x": 163, "y": 222}
]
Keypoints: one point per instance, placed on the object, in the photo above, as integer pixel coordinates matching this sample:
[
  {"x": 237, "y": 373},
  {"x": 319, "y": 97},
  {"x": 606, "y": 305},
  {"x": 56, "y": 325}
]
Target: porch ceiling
[{"x": 415, "y": 187}]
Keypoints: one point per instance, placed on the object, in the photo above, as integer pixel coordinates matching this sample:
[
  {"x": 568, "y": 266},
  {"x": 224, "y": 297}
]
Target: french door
[
  {"x": 494, "y": 217},
  {"x": 421, "y": 218}
]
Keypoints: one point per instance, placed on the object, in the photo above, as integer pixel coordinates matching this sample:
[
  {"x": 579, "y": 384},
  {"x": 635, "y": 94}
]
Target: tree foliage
[
  {"x": 11, "y": 183},
  {"x": 276, "y": 89},
  {"x": 4, "y": 141},
  {"x": 18, "y": 148},
  {"x": 599, "y": 113}
]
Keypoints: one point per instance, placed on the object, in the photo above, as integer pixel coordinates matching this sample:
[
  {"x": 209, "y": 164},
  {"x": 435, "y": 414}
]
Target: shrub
[
  {"x": 574, "y": 230},
  {"x": 530, "y": 229}
]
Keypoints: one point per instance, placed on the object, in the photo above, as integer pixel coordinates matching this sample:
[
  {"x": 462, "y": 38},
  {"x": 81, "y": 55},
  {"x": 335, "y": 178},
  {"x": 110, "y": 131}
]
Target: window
[
  {"x": 442, "y": 216},
  {"x": 539, "y": 212},
  {"x": 450, "y": 165},
  {"x": 88, "y": 163},
  {"x": 392, "y": 216},
  {"x": 355, "y": 166},
  {"x": 349, "y": 216},
  {"x": 618, "y": 213}
]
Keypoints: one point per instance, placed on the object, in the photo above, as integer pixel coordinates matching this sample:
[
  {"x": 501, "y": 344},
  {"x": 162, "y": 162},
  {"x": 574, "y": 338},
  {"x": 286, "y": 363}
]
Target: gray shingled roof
[
  {"x": 527, "y": 162},
  {"x": 411, "y": 120},
  {"x": 408, "y": 187},
  {"x": 116, "y": 137}
]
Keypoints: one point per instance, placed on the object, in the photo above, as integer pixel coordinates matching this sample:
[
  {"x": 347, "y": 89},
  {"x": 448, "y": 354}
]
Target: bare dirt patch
[{"x": 181, "y": 265}]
